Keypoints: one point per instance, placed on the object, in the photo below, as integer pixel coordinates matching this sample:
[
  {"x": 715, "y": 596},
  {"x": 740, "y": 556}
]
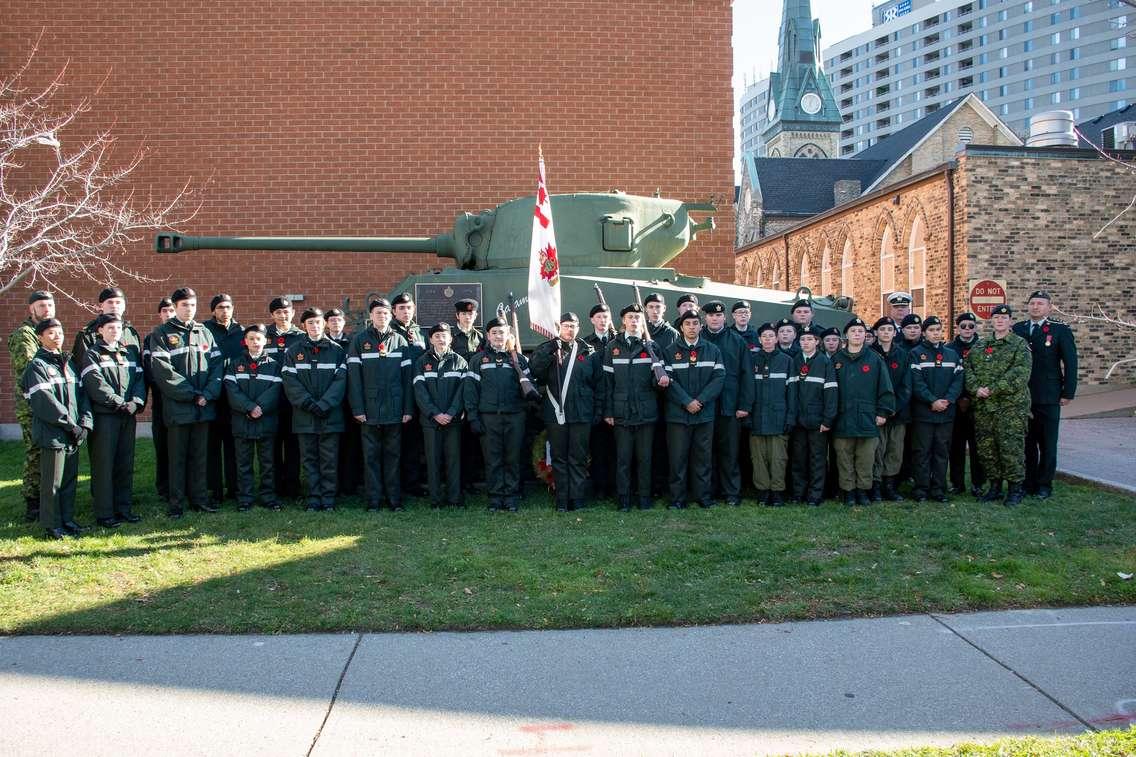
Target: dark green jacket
[
  {"x": 664, "y": 335},
  {"x": 493, "y": 386},
  {"x": 749, "y": 336},
  {"x": 440, "y": 385},
  {"x": 379, "y": 372},
  {"x": 1003, "y": 366},
  {"x": 112, "y": 377},
  {"x": 865, "y": 393},
  {"x": 697, "y": 373},
  {"x": 936, "y": 374},
  {"x": 466, "y": 344},
  {"x": 963, "y": 349},
  {"x": 279, "y": 341},
  {"x": 737, "y": 393},
  {"x": 773, "y": 404},
  {"x": 898, "y": 362},
  {"x": 229, "y": 340},
  {"x": 50, "y": 385},
  {"x": 818, "y": 395},
  {"x": 574, "y": 394},
  {"x": 186, "y": 365},
  {"x": 315, "y": 372},
  {"x": 250, "y": 383},
  {"x": 628, "y": 386},
  {"x": 412, "y": 333},
  {"x": 1053, "y": 372},
  {"x": 88, "y": 336}
]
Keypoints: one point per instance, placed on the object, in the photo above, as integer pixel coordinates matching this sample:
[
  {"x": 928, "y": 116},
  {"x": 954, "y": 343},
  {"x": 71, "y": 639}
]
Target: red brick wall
[{"x": 385, "y": 119}]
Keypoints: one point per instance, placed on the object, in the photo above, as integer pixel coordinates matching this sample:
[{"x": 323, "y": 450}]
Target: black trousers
[
  {"x": 159, "y": 433},
  {"x": 745, "y": 464},
  {"x": 58, "y": 476},
  {"x": 414, "y": 455},
  {"x": 321, "y": 459},
  {"x": 569, "y": 445},
  {"x": 188, "y": 443},
  {"x": 246, "y": 451},
  {"x": 112, "y": 464},
  {"x": 221, "y": 463},
  {"x": 930, "y": 449},
  {"x": 350, "y": 457},
  {"x": 443, "y": 462},
  {"x": 603, "y": 453},
  {"x": 689, "y": 448},
  {"x": 474, "y": 468},
  {"x": 1041, "y": 446},
  {"x": 501, "y": 445},
  {"x": 382, "y": 458},
  {"x": 633, "y": 461},
  {"x": 660, "y": 467},
  {"x": 962, "y": 445},
  {"x": 286, "y": 455},
  {"x": 808, "y": 458},
  {"x": 726, "y": 476}
]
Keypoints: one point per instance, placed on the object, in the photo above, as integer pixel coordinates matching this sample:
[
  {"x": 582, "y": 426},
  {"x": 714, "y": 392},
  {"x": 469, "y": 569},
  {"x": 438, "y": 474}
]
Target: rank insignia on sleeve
[
  {"x": 366, "y": 345},
  {"x": 678, "y": 356},
  {"x": 922, "y": 356},
  {"x": 428, "y": 367},
  {"x": 240, "y": 367},
  {"x": 174, "y": 340}
]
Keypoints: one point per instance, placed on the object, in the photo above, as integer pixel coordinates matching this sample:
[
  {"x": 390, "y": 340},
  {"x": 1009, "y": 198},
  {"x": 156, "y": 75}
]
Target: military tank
[{"x": 608, "y": 238}]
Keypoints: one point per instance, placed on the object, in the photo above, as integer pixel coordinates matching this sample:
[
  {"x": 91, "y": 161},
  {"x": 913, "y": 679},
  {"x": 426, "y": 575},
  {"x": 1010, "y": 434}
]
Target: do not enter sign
[{"x": 985, "y": 295}]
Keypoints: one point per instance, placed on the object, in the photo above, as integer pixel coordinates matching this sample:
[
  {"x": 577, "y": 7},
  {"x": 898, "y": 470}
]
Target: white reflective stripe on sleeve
[
  {"x": 428, "y": 374},
  {"x": 831, "y": 385},
  {"x": 355, "y": 361},
  {"x": 609, "y": 369},
  {"x": 814, "y": 379},
  {"x": 419, "y": 378},
  {"x": 639, "y": 360},
  {"x": 326, "y": 366},
  {"x": 88, "y": 369},
  {"x": 620, "y": 361},
  {"x": 484, "y": 366},
  {"x": 234, "y": 376},
  {"x": 273, "y": 379},
  {"x": 678, "y": 366},
  {"x": 473, "y": 375},
  {"x": 405, "y": 362},
  {"x": 453, "y": 374},
  {"x": 215, "y": 353},
  {"x": 301, "y": 367},
  {"x": 951, "y": 364},
  {"x": 718, "y": 367},
  {"x": 288, "y": 369},
  {"x": 44, "y": 386},
  {"x": 758, "y": 377},
  {"x": 709, "y": 364},
  {"x": 958, "y": 369},
  {"x": 180, "y": 350},
  {"x": 792, "y": 380},
  {"x": 778, "y": 375},
  {"x": 159, "y": 353}
]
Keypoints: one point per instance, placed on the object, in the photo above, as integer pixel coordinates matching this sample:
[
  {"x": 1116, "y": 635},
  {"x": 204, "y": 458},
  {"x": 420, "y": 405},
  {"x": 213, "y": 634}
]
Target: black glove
[
  {"x": 80, "y": 434},
  {"x": 309, "y": 405},
  {"x": 476, "y": 427}
]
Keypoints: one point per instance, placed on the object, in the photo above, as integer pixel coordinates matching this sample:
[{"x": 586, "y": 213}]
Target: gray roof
[
  {"x": 803, "y": 186},
  {"x": 1091, "y": 129},
  {"x": 894, "y": 146}
]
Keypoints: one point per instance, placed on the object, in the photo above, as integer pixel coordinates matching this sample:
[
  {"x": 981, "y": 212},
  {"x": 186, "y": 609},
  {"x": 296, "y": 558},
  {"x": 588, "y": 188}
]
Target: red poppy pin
[
  {"x": 965, "y": 353},
  {"x": 804, "y": 369},
  {"x": 252, "y": 367},
  {"x": 429, "y": 367},
  {"x": 989, "y": 350},
  {"x": 894, "y": 365},
  {"x": 642, "y": 354},
  {"x": 939, "y": 357},
  {"x": 580, "y": 358},
  {"x": 866, "y": 368},
  {"x": 279, "y": 341},
  {"x": 315, "y": 350},
  {"x": 204, "y": 347},
  {"x": 383, "y": 347},
  {"x": 694, "y": 356},
  {"x": 1045, "y": 329}
]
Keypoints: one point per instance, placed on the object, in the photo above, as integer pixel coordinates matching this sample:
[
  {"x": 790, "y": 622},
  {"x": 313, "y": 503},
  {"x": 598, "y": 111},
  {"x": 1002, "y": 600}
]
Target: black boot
[
  {"x": 850, "y": 497},
  {"x": 862, "y": 497},
  {"x": 994, "y": 493},
  {"x": 625, "y": 506},
  {"x": 775, "y": 499},
  {"x": 646, "y": 503},
  {"x": 1014, "y": 496},
  {"x": 876, "y": 493},
  {"x": 891, "y": 489}
]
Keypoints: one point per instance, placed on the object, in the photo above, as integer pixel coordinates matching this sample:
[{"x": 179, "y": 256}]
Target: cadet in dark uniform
[
  {"x": 350, "y": 441},
  {"x": 22, "y": 347},
  {"x": 937, "y": 382},
  {"x": 787, "y": 333},
  {"x": 962, "y": 431},
  {"x": 997, "y": 374},
  {"x": 733, "y": 403},
  {"x": 866, "y": 402},
  {"x": 254, "y": 388},
  {"x": 282, "y": 335},
  {"x": 1053, "y": 384},
  {"x": 496, "y": 406},
  {"x": 569, "y": 371},
  {"x": 315, "y": 382},
  {"x": 742, "y": 314},
  {"x": 697, "y": 376},
  {"x": 817, "y": 402},
  {"x": 112, "y": 301},
  {"x": 379, "y": 373},
  {"x": 602, "y": 443},
  {"x": 61, "y": 420},
  {"x": 686, "y": 303},
  {"x": 893, "y": 434},
  {"x": 772, "y": 417},
  {"x": 660, "y": 331},
  {"x": 413, "y": 450},
  {"x": 440, "y": 392},
  {"x": 663, "y": 335},
  {"x": 158, "y": 428},
  {"x": 187, "y": 369},
  {"x": 630, "y": 407},
  {"x": 831, "y": 342},
  {"x": 222, "y": 460},
  {"x": 468, "y": 340},
  {"x": 912, "y": 328},
  {"x": 111, "y": 375}
]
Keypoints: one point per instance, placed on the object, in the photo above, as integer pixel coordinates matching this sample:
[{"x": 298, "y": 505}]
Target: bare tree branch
[{"x": 1097, "y": 314}]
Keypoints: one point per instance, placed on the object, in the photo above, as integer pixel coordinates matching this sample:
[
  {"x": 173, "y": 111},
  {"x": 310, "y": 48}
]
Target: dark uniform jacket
[
  {"x": 818, "y": 397},
  {"x": 315, "y": 382},
  {"x": 439, "y": 385},
  {"x": 750, "y": 337},
  {"x": 493, "y": 386},
  {"x": 792, "y": 350},
  {"x": 865, "y": 392},
  {"x": 697, "y": 373},
  {"x": 898, "y": 362},
  {"x": 379, "y": 372},
  {"x": 89, "y": 335},
  {"x": 628, "y": 383},
  {"x": 50, "y": 384},
  {"x": 737, "y": 394},
  {"x": 1054, "y": 371},
  {"x": 412, "y": 333},
  {"x": 962, "y": 349},
  {"x": 664, "y": 335},
  {"x": 773, "y": 409},
  {"x": 186, "y": 365},
  {"x": 279, "y": 341},
  {"x": 250, "y": 382},
  {"x": 229, "y": 340},
  {"x": 572, "y": 386},
  {"x": 936, "y": 374},
  {"x": 112, "y": 377},
  {"x": 598, "y": 343},
  {"x": 466, "y": 344}
]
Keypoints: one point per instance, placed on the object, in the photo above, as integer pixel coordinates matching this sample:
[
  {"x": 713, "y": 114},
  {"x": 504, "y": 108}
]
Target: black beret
[
  {"x": 164, "y": 303},
  {"x": 182, "y": 293},
  {"x": 814, "y": 331},
  {"x": 312, "y": 312},
  {"x": 801, "y": 304},
  {"x": 403, "y": 298},
  {"x": 856, "y": 321},
  {"x": 1001, "y": 310},
  {"x": 332, "y": 311},
  {"x": 106, "y": 318},
  {"x": 830, "y": 331},
  {"x": 885, "y": 321},
  {"x": 259, "y": 328},
  {"x": 38, "y": 295},
  {"x": 600, "y": 308},
  {"x": 569, "y": 317},
  {"x": 714, "y": 307},
  {"x": 899, "y": 298},
  {"x": 465, "y": 306},
  {"x": 437, "y": 327},
  {"x": 691, "y": 298},
  {"x": 381, "y": 302},
  {"x": 931, "y": 320},
  {"x": 218, "y": 299},
  {"x": 767, "y": 326},
  {"x": 1040, "y": 294},
  {"x": 632, "y": 308},
  {"x": 654, "y": 297},
  {"x": 109, "y": 292},
  {"x": 494, "y": 323},
  {"x": 278, "y": 303},
  {"x": 45, "y": 324},
  {"x": 786, "y": 322},
  {"x": 689, "y": 315},
  {"x": 739, "y": 305},
  {"x": 967, "y": 316},
  {"x": 911, "y": 319}
]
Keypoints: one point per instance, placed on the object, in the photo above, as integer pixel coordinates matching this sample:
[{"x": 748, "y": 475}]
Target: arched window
[
  {"x": 887, "y": 267},
  {"x": 826, "y": 270},
  {"x": 917, "y": 264},
  {"x": 806, "y": 272},
  {"x": 775, "y": 282},
  {"x": 846, "y": 269}
]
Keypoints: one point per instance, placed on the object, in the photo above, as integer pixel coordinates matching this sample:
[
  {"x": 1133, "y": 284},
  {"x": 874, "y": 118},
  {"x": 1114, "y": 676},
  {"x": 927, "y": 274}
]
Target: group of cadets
[{"x": 649, "y": 409}]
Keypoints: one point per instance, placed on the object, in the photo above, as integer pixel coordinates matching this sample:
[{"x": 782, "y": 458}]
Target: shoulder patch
[
  {"x": 300, "y": 356},
  {"x": 174, "y": 340}
]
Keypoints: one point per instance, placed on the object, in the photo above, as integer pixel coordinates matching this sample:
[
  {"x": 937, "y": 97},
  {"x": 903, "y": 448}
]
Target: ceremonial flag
[{"x": 544, "y": 265}]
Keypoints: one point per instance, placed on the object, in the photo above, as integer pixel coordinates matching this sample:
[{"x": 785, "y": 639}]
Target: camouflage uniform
[
  {"x": 22, "y": 346},
  {"x": 1000, "y": 420}
]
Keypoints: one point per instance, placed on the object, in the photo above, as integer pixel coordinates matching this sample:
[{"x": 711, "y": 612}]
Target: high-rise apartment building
[
  {"x": 751, "y": 116},
  {"x": 1022, "y": 57}
]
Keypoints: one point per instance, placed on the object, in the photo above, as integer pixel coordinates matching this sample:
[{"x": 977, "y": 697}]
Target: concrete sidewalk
[
  {"x": 792, "y": 687},
  {"x": 1102, "y": 450}
]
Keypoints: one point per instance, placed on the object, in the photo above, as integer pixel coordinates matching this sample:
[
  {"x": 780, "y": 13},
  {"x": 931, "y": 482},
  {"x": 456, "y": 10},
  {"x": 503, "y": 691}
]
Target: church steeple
[{"x": 803, "y": 118}]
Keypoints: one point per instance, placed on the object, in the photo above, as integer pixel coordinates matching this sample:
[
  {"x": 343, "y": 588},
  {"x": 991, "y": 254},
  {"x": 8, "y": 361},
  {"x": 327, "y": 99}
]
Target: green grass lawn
[
  {"x": 294, "y": 571},
  {"x": 1118, "y": 743}
]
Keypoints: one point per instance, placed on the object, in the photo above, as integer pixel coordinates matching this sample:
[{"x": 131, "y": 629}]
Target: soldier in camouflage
[
  {"x": 997, "y": 373},
  {"x": 22, "y": 346}
]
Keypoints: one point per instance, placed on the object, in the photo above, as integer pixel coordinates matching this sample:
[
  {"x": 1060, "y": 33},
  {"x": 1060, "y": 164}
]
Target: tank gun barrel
[{"x": 441, "y": 245}]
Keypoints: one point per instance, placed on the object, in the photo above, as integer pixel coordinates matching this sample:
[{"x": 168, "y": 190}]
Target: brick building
[
  {"x": 383, "y": 119},
  {"x": 1026, "y": 215}
]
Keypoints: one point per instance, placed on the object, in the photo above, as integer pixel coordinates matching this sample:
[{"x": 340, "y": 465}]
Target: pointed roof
[
  {"x": 799, "y": 74},
  {"x": 1091, "y": 129}
]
